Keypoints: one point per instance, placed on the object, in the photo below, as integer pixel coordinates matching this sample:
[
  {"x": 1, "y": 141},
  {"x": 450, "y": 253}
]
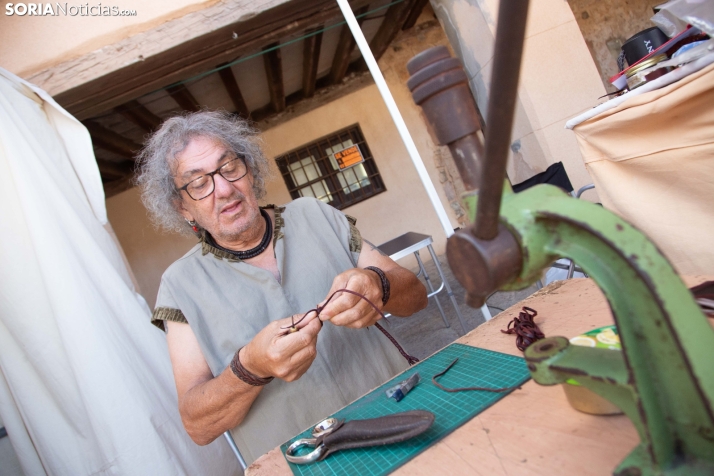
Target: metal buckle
[{"x": 325, "y": 427}]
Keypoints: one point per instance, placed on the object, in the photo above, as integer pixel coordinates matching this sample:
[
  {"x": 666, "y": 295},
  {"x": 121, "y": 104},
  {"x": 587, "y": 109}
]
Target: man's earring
[{"x": 193, "y": 225}]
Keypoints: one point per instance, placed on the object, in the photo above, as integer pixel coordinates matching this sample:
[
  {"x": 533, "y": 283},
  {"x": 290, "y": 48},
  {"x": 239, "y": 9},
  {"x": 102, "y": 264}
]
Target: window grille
[{"x": 312, "y": 170}]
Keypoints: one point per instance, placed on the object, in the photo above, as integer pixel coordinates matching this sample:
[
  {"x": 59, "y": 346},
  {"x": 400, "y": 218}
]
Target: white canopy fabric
[{"x": 85, "y": 381}]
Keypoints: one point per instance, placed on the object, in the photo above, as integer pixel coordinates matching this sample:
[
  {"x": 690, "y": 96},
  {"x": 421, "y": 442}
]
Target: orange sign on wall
[{"x": 348, "y": 157}]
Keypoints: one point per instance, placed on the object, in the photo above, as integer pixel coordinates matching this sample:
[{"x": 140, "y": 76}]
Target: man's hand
[
  {"x": 272, "y": 353},
  {"x": 407, "y": 296},
  {"x": 348, "y": 310},
  {"x": 209, "y": 406}
]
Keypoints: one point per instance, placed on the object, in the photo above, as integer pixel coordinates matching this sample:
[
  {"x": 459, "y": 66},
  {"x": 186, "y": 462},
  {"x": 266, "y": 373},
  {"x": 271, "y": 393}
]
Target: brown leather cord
[
  {"x": 410, "y": 358},
  {"x": 292, "y": 328},
  {"x": 525, "y": 328},
  {"x": 385, "y": 283},
  {"x": 245, "y": 375},
  {"x": 465, "y": 389}
]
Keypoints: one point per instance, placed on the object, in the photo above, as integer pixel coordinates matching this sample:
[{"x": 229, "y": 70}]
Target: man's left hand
[{"x": 348, "y": 310}]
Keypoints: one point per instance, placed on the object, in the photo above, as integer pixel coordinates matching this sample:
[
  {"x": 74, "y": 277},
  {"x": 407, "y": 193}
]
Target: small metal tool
[
  {"x": 332, "y": 435},
  {"x": 400, "y": 390}
]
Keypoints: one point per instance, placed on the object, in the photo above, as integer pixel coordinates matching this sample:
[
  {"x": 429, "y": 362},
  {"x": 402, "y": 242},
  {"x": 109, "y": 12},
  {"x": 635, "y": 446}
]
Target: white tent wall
[{"x": 85, "y": 383}]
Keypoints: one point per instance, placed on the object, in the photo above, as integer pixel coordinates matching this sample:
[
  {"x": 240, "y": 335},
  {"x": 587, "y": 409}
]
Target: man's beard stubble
[{"x": 250, "y": 217}]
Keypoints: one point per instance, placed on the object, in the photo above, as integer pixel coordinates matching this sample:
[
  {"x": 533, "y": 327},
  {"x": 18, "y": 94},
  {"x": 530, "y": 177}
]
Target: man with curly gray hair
[{"x": 229, "y": 305}]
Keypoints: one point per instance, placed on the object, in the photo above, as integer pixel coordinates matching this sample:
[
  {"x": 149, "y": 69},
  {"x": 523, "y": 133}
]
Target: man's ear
[{"x": 178, "y": 203}]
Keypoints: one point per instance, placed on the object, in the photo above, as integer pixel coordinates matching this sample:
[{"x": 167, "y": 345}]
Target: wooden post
[
  {"x": 311, "y": 58},
  {"x": 231, "y": 85},
  {"x": 111, "y": 141},
  {"x": 394, "y": 19},
  {"x": 139, "y": 115},
  {"x": 115, "y": 170},
  {"x": 274, "y": 71},
  {"x": 345, "y": 47},
  {"x": 183, "y": 97},
  {"x": 414, "y": 14}
]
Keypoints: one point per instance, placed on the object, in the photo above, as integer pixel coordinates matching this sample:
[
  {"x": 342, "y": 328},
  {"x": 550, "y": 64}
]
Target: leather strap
[
  {"x": 376, "y": 431},
  {"x": 385, "y": 283},
  {"x": 245, "y": 375}
]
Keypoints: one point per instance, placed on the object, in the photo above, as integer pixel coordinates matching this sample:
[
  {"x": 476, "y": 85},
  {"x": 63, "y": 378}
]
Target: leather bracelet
[
  {"x": 385, "y": 283},
  {"x": 246, "y": 376}
]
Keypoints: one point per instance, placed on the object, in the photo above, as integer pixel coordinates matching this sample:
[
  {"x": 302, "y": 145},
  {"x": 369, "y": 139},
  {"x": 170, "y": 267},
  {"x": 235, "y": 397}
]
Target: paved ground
[{"x": 424, "y": 333}]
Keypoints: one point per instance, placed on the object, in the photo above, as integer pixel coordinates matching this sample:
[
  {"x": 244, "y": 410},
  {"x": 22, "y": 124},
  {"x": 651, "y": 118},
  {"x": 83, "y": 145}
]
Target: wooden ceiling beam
[
  {"x": 414, "y": 14},
  {"x": 341, "y": 60},
  {"x": 345, "y": 47},
  {"x": 231, "y": 85},
  {"x": 273, "y": 63},
  {"x": 115, "y": 170},
  {"x": 111, "y": 141},
  {"x": 115, "y": 187},
  {"x": 310, "y": 60},
  {"x": 327, "y": 92},
  {"x": 266, "y": 111},
  {"x": 139, "y": 115},
  {"x": 392, "y": 24},
  {"x": 183, "y": 98},
  {"x": 194, "y": 57}
]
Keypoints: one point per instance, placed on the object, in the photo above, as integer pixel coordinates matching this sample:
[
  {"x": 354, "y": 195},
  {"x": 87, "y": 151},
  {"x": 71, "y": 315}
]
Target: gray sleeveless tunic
[{"x": 227, "y": 302}]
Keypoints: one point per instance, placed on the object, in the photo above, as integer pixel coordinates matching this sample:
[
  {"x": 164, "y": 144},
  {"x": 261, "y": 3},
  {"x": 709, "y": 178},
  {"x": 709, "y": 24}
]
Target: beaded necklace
[{"x": 253, "y": 252}]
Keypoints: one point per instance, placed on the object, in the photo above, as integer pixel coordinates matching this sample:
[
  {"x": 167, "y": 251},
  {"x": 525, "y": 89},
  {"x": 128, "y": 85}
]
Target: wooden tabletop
[{"x": 533, "y": 430}]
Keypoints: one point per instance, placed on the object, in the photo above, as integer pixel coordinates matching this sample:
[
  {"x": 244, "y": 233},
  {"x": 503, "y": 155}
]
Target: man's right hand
[
  {"x": 209, "y": 406},
  {"x": 272, "y": 353}
]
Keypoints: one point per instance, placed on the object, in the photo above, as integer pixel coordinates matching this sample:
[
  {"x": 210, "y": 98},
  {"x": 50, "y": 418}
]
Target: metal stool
[{"x": 412, "y": 242}]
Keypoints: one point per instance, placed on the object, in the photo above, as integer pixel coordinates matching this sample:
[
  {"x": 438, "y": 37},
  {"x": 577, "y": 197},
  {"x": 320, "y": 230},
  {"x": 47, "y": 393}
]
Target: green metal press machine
[{"x": 663, "y": 379}]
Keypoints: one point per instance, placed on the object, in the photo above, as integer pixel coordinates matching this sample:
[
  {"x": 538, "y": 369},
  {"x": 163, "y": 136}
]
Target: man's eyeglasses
[{"x": 201, "y": 187}]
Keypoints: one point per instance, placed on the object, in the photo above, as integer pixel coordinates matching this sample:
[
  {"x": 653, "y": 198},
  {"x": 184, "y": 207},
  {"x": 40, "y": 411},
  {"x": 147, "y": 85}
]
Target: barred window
[{"x": 313, "y": 170}]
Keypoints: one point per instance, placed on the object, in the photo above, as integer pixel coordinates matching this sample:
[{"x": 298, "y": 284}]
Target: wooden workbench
[{"x": 533, "y": 430}]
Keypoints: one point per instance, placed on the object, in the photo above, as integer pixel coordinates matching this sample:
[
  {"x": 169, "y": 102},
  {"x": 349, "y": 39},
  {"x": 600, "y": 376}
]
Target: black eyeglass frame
[{"x": 213, "y": 180}]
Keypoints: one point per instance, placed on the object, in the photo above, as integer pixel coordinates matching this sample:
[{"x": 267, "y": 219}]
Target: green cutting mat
[{"x": 475, "y": 368}]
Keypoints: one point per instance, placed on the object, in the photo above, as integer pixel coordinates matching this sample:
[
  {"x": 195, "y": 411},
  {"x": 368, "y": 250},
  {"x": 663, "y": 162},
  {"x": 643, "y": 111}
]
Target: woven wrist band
[
  {"x": 243, "y": 374},
  {"x": 385, "y": 283}
]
